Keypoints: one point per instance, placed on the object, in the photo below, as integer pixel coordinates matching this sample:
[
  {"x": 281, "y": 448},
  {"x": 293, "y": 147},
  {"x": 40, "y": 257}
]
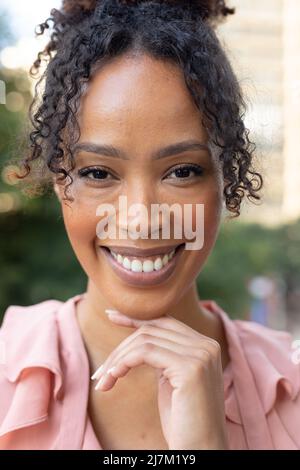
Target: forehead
[{"x": 139, "y": 94}]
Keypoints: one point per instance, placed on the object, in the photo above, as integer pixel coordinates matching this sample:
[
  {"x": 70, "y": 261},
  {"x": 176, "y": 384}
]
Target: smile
[{"x": 143, "y": 267}]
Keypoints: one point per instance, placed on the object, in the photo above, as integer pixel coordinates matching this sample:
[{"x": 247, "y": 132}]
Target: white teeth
[
  {"x": 136, "y": 266},
  {"x": 126, "y": 263},
  {"x": 158, "y": 264},
  {"x": 146, "y": 266},
  {"x": 165, "y": 259}
]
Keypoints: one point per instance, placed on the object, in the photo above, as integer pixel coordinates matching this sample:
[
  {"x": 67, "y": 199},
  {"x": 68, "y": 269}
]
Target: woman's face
[{"x": 140, "y": 106}]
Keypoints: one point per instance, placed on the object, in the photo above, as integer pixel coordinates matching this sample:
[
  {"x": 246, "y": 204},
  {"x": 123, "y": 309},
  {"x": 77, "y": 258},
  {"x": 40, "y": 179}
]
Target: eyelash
[
  {"x": 84, "y": 172},
  {"x": 197, "y": 169}
]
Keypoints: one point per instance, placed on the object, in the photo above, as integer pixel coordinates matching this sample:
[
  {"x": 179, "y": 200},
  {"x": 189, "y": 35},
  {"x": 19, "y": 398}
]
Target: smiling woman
[{"x": 140, "y": 101}]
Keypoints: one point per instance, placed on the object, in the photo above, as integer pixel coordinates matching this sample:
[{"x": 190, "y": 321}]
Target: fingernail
[
  {"x": 98, "y": 372},
  {"x": 109, "y": 371},
  {"x": 101, "y": 381},
  {"x": 108, "y": 311}
]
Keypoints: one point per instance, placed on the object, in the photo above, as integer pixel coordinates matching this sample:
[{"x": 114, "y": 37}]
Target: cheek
[
  {"x": 80, "y": 221},
  {"x": 212, "y": 216},
  {"x": 207, "y": 218},
  {"x": 206, "y": 226}
]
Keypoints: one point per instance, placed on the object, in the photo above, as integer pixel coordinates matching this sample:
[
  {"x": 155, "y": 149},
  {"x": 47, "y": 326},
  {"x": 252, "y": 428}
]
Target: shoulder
[
  {"x": 17, "y": 317},
  {"x": 266, "y": 350},
  {"x": 17, "y": 313},
  {"x": 270, "y": 352},
  {"x": 24, "y": 327},
  {"x": 32, "y": 336},
  {"x": 28, "y": 337},
  {"x": 262, "y": 332},
  {"x": 272, "y": 359},
  {"x": 259, "y": 340}
]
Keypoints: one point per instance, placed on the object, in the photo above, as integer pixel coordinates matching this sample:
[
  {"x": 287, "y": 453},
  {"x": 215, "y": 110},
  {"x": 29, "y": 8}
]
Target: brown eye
[
  {"x": 95, "y": 173},
  {"x": 183, "y": 172}
]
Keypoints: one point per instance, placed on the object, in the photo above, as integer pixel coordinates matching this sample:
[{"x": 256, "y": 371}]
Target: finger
[
  {"x": 155, "y": 356},
  {"x": 183, "y": 349},
  {"x": 165, "y": 321},
  {"x": 149, "y": 330},
  {"x": 122, "y": 319},
  {"x": 145, "y": 330},
  {"x": 147, "y": 333},
  {"x": 202, "y": 353}
]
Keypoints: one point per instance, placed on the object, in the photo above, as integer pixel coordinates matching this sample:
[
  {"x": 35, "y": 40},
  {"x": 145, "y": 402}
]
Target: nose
[{"x": 135, "y": 211}]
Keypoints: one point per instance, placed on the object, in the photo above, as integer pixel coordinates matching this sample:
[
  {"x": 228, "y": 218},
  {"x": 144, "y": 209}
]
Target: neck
[{"x": 101, "y": 336}]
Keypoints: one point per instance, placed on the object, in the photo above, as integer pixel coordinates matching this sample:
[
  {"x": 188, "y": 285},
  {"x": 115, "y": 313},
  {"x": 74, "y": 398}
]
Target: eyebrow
[{"x": 170, "y": 150}]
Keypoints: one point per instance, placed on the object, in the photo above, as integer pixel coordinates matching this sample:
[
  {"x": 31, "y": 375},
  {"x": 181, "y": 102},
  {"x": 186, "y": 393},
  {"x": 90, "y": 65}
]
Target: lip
[
  {"x": 143, "y": 252},
  {"x": 143, "y": 279}
]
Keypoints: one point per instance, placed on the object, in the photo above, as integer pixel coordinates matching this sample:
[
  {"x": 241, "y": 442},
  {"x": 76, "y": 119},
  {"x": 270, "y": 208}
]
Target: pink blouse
[{"x": 44, "y": 405}]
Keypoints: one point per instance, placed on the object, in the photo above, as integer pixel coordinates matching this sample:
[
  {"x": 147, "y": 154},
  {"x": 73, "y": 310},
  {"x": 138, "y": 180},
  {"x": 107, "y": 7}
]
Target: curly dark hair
[{"x": 87, "y": 33}]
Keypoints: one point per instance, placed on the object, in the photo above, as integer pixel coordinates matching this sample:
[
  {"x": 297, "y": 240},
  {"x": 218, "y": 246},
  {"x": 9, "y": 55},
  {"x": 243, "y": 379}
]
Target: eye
[
  {"x": 185, "y": 172},
  {"x": 96, "y": 174}
]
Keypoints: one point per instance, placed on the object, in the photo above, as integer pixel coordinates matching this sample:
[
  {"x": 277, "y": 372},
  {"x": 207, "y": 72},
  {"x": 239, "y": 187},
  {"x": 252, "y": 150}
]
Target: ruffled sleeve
[
  {"x": 43, "y": 404},
  {"x": 29, "y": 339},
  {"x": 269, "y": 354}
]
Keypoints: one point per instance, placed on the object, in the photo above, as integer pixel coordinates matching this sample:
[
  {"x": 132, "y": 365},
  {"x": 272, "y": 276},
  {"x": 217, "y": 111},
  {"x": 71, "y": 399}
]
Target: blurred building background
[
  {"x": 263, "y": 40},
  {"x": 260, "y": 250}
]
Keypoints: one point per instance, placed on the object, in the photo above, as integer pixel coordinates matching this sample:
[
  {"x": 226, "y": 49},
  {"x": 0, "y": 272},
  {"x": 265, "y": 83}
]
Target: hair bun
[
  {"x": 208, "y": 9},
  {"x": 77, "y": 6}
]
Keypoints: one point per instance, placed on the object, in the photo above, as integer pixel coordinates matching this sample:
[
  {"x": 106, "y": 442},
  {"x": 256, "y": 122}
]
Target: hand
[{"x": 190, "y": 381}]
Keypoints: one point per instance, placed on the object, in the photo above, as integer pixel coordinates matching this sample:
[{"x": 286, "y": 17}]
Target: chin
[{"x": 143, "y": 304}]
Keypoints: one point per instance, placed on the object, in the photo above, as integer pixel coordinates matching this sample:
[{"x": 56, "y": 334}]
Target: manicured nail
[
  {"x": 108, "y": 311},
  {"x": 98, "y": 372},
  {"x": 101, "y": 381}
]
